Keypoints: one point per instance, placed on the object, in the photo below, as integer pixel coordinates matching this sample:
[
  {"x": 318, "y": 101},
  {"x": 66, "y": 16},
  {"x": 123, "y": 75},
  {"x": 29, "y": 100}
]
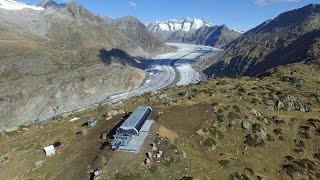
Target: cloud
[
  {"x": 266, "y": 2},
  {"x": 132, "y": 4}
]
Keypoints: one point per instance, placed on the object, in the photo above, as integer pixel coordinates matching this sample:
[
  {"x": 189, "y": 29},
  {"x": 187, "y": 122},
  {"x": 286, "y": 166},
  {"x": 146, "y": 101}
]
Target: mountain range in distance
[
  {"x": 186, "y": 24},
  {"x": 194, "y": 31}
]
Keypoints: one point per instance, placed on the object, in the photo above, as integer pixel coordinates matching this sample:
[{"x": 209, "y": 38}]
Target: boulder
[
  {"x": 270, "y": 104},
  {"x": 121, "y": 111},
  {"x": 280, "y": 105},
  {"x": 39, "y": 164},
  {"x": 255, "y": 112},
  {"x": 4, "y": 160},
  {"x": 201, "y": 132},
  {"x": 286, "y": 102},
  {"x": 246, "y": 124},
  {"x": 292, "y": 80},
  {"x": 263, "y": 133},
  {"x": 113, "y": 113}
]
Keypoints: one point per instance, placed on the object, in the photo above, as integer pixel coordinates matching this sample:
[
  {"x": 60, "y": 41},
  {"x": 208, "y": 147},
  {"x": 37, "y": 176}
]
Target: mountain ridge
[
  {"x": 186, "y": 24},
  {"x": 203, "y": 33},
  {"x": 290, "y": 37}
]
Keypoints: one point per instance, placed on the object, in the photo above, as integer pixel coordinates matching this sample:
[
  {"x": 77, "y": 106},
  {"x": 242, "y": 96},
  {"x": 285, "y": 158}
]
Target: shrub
[
  {"x": 235, "y": 176},
  {"x": 269, "y": 138},
  {"x": 291, "y": 169},
  {"x": 249, "y": 170},
  {"x": 166, "y": 163},
  {"x": 135, "y": 176},
  {"x": 251, "y": 94},
  {"x": 317, "y": 155},
  {"x": 253, "y": 141},
  {"x": 215, "y": 104},
  {"x": 232, "y": 115},
  {"x": 305, "y": 135},
  {"x": 256, "y": 127},
  {"x": 245, "y": 177},
  {"x": 289, "y": 158},
  {"x": 209, "y": 142},
  {"x": 236, "y": 108},
  {"x": 220, "y": 117},
  {"x": 242, "y": 90},
  {"x": 306, "y": 164},
  {"x": 278, "y": 131},
  {"x": 300, "y": 143},
  {"x": 215, "y": 132},
  {"x": 224, "y": 163},
  {"x": 255, "y": 101},
  {"x": 281, "y": 138}
]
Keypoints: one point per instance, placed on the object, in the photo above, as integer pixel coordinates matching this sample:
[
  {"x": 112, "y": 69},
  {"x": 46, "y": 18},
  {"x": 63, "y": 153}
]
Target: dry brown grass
[{"x": 182, "y": 117}]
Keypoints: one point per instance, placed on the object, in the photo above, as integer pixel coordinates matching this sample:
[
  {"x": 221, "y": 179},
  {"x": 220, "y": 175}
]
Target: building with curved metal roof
[{"x": 131, "y": 127}]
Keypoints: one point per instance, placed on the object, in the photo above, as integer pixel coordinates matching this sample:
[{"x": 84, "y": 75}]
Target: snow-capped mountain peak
[
  {"x": 185, "y": 24},
  {"x": 14, "y": 5}
]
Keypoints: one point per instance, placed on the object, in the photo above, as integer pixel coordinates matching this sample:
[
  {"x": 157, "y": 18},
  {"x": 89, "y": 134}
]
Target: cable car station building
[{"x": 132, "y": 133}]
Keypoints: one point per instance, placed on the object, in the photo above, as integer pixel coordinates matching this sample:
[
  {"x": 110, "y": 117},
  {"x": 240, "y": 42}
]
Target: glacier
[{"x": 14, "y": 5}]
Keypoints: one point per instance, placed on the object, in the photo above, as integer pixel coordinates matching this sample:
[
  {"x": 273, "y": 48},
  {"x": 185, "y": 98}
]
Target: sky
[{"x": 240, "y": 15}]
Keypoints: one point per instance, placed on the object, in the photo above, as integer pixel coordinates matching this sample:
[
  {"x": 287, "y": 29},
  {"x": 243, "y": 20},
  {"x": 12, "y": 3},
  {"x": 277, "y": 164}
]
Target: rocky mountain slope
[
  {"x": 194, "y": 31},
  {"x": 291, "y": 37},
  {"x": 54, "y": 59}
]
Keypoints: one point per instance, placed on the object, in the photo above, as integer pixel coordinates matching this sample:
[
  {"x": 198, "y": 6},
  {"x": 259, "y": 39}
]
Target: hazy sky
[{"x": 237, "y": 14}]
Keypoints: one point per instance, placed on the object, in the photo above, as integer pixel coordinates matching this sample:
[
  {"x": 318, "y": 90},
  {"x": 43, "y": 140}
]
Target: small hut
[
  {"x": 49, "y": 150},
  {"x": 92, "y": 122}
]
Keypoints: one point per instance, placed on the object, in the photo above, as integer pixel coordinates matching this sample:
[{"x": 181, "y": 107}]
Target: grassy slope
[{"x": 217, "y": 107}]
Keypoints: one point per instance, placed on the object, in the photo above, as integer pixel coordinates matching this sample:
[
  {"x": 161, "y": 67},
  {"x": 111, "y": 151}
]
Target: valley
[
  {"x": 170, "y": 69},
  {"x": 85, "y": 95}
]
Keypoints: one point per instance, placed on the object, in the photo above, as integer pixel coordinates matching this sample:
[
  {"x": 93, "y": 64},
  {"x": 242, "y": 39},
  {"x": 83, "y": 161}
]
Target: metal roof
[
  {"x": 136, "y": 142},
  {"x": 137, "y": 118}
]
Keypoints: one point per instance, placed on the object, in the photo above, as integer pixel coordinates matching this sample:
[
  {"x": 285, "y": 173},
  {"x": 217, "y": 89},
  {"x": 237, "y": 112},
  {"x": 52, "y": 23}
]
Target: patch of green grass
[
  {"x": 135, "y": 176},
  {"x": 215, "y": 104},
  {"x": 209, "y": 142},
  {"x": 220, "y": 117},
  {"x": 167, "y": 163},
  {"x": 216, "y": 133},
  {"x": 236, "y": 108},
  {"x": 25, "y": 147},
  {"x": 224, "y": 163},
  {"x": 233, "y": 115},
  {"x": 253, "y": 141},
  {"x": 278, "y": 131}
]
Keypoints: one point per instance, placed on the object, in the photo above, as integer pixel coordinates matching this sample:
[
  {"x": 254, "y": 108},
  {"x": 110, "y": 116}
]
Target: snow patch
[
  {"x": 197, "y": 23},
  {"x": 174, "y": 25},
  {"x": 186, "y": 27},
  {"x": 14, "y": 5}
]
